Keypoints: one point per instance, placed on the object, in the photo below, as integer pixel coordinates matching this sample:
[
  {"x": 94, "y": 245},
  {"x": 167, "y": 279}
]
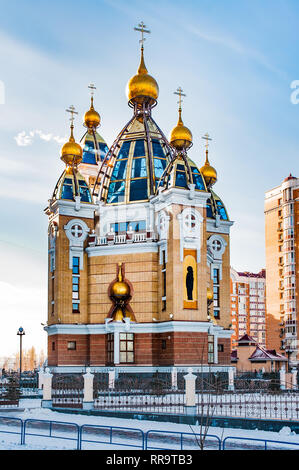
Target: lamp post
[{"x": 21, "y": 333}]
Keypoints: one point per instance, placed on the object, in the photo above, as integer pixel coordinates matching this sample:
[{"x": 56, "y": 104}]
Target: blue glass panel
[
  {"x": 116, "y": 192},
  {"x": 209, "y": 209},
  {"x": 197, "y": 179},
  {"x": 157, "y": 149},
  {"x": 124, "y": 150},
  {"x": 181, "y": 180},
  {"x": 89, "y": 153},
  {"x": 85, "y": 194},
  {"x": 221, "y": 210},
  {"x": 139, "y": 168},
  {"x": 159, "y": 166},
  {"x": 138, "y": 190},
  {"x": 103, "y": 150},
  {"x": 180, "y": 167},
  {"x": 139, "y": 150},
  {"x": 67, "y": 191},
  {"x": 119, "y": 170},
  {"x": 137, "y": 226},
  {"x": 75, "y": 261}
]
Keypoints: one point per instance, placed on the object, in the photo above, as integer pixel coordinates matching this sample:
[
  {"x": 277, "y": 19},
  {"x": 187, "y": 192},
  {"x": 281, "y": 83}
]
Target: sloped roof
[{"x": 262, "y": 354}]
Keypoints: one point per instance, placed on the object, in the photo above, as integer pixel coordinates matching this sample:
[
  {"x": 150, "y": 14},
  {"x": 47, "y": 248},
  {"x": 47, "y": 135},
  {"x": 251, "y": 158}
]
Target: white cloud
[{"x": 23, "y": 140}]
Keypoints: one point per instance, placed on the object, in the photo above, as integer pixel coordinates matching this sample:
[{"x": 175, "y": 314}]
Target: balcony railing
[{"x": 121, "y": 239}]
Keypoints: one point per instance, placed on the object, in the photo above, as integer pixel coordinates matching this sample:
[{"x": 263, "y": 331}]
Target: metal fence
[
  {"x": 67, "y": 391},
  {"x": 154, "y": 439},
  {"x": 146, "y": 395}
]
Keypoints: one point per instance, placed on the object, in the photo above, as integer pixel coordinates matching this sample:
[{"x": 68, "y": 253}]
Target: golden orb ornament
[
  {"x": 209, "y": 173},
  {"x": 120, "y": 289},
  {"x": 71, "y": 152},
  {"x": 180, "y": 136},
  {"x": 92, "y": 119},
  {"x": 142, "y": 87}
]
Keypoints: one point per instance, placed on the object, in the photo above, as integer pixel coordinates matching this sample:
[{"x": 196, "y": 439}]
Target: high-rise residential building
[
  {"x": 248, "y": 306},
  {"x": 139, "y": 260},
  {"x": 282, "y": 255}
]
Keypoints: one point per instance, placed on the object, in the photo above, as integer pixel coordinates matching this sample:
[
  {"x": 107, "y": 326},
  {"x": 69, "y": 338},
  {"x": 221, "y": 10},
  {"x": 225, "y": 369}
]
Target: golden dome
[
  {"x": 71, "y": 152},
  {"x": 92, "y": 118},
  {"x": 120, "y": 289},
  {"x": 209, "y": 173},
  {"x": 209, "y": 294},
  {"x": 180, "y": 136},
  {"x": 142, "y": 87}
]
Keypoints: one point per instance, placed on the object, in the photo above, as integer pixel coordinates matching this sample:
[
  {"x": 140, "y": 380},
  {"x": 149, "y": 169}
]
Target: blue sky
[{"x": 235, "y": 61}]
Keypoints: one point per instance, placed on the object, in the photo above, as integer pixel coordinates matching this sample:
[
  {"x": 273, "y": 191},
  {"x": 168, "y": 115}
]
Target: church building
[{"x": 139, "y": 249}]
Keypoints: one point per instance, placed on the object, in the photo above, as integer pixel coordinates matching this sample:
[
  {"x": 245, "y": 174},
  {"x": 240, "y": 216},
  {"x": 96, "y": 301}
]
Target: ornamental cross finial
[
  {"x": 142, "y": 30},
  {"x": 71, "y": 110},
  {"x": 180, "y": 93},
  {"x": 92, "y": 87},
  {"x": 206, "y": 137}
]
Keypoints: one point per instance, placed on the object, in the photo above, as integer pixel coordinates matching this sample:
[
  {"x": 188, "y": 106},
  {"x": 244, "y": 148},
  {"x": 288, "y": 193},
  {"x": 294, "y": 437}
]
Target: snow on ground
[{"x": 33, "y": 410}]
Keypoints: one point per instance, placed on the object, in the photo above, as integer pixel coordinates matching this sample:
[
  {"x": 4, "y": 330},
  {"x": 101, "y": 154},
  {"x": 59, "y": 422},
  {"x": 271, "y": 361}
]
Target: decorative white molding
[
  {"x": 76, "y": 231},
  {"x": 219, "y": 226},
  {"x": 157, "y": 327},
  {"x": 70, "y": 208},
  {"x": 126, "y": 248},
  {"x": 190, "y": 221}
]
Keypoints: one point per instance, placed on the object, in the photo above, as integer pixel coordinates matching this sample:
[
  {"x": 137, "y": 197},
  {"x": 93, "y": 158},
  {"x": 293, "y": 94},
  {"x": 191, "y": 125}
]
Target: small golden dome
[
  {"x": 71, "y": 152},
  {"x": 209, "y": 173},
  {"x": 180, "y": 136},
  {"x": 209, "y": 294},
  {"x": 92, "y": 119},
  {"x": 142, "y": 87},
  {"x": 120, "y": 289}
]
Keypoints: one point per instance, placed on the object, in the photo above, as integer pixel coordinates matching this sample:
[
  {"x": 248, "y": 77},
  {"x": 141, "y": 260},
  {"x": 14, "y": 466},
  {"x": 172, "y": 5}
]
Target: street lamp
[{"x": 20, "y": 333}]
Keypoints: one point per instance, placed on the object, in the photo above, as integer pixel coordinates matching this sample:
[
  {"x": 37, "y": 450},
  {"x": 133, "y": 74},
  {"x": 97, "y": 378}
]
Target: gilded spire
[
  {"x": 142, "y": 88},
  {"x": 180, "y": 136},
  {"x": 71, "y": 152},
  {"x": 92, "y": 118},
  {"x": 208, "y": 172}
]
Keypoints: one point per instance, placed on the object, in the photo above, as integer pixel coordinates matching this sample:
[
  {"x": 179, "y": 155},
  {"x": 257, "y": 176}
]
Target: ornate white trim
[{"x": 76, "y": 231}]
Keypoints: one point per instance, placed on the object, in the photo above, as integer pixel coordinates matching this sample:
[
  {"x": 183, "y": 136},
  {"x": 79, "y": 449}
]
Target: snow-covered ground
[{"x": 33, "y": 410}]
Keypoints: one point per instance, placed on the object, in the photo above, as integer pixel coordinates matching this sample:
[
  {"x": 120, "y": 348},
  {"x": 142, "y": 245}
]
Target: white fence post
[
  {"x": 47, "y": 389},
  {"x": 231, "y": 375},
  {"x": 190, "y": 395},
  {"x": 282, "y": 376},
  {"x": 88, "y": 390},
  {"x": 111, "y": 378},
  {"x": 174, "y": 378},
  {"x": 294, "y": 379}
]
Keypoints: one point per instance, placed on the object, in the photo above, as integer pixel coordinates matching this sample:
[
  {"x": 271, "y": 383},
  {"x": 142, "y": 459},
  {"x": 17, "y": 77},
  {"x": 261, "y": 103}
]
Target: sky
[{"x": 235, "y": 60}]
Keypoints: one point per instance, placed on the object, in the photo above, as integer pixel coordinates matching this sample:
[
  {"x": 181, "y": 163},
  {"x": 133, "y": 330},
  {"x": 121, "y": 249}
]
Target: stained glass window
[
  {"x": 138, "y": 189},
  {"x": 116, "y": 192},
  {"x": 139, "y": 168},
  {"x": 197, "y": 178},
  {"x": 139, "y": 150},
  {"x": 124, "y": 150},
  {"x": 119, "y": 171},
  {"x": 157, "y": 149}
]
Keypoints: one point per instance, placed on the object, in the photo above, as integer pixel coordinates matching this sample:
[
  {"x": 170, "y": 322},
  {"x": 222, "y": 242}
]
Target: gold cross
[
  {"x": 72, "y": 111},
  {"x": 206, "y": 137},
  {"x": 142, "y": 30},
  {"x": 180, "y": 93}
]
